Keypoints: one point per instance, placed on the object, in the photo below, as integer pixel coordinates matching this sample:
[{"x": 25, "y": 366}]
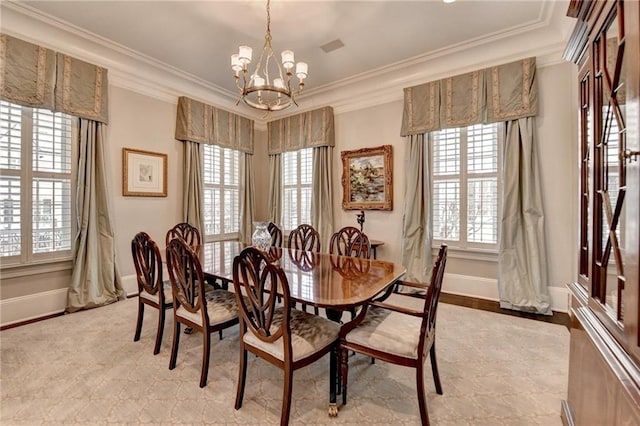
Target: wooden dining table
[{"x": 335, "y": 283}]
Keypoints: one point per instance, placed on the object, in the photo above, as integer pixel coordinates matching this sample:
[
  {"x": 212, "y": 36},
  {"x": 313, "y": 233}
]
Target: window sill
[
  {"x": 469, "y": 254},
  {"x": 34, "y": 268}
]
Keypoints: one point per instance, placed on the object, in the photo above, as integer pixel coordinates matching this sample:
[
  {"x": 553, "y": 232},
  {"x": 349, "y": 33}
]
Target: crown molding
[{"x": 543, "y": 38}]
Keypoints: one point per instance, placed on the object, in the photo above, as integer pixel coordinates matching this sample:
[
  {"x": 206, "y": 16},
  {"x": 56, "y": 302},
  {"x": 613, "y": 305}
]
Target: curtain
[
  {"x": 247, "y": 198},
  {"x": 322, "y": 198},
  {"x": 417, "y": 221},
  {"x": 275, "y": 188},
  {"x": 522, "y": 263},
  {"x": 95, "y": 279},
  {"x": 193, "y": 193},
  {"x": 496, "y": 94}
]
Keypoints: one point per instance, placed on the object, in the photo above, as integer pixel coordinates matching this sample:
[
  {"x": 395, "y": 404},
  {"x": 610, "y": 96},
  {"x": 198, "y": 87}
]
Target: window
[
  {"x": 296, "y": 188},
  {"x": 221, "y": 193},
  {"x": 35, "y": 184},
  {"x": 466, "y": 186}
]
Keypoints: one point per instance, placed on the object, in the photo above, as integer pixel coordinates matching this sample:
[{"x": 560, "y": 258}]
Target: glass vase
[{"x": 261, "y": 238}]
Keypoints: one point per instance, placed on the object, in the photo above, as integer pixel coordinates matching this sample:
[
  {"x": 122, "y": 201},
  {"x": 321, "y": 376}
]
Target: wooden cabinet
[{"x": 604, "y": 373}]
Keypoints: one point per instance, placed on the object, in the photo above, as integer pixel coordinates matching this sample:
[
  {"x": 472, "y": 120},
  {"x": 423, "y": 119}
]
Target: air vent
[{"x": 332, "y": 45}]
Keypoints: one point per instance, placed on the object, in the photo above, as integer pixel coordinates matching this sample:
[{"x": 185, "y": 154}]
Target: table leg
[{"x": 333, "y": 381}]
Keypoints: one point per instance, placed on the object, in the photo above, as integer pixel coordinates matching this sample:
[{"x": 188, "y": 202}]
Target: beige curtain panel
[
  {"x": 495, "y": 94},
  {"x": 193, "y": 193},
  {"x": 95, "y": 280},
  {"x": 421, "y": 109},
  {"x": 202, "y": 123},
  {"x": 511, "y": 91},
  {"x": 27, "y": 73},
  {"x": 33, "y": 76},
  {"x": 81, "y": 89},
  {"x": 309, "y": 129},
  {"x": 462, "y": 100}
]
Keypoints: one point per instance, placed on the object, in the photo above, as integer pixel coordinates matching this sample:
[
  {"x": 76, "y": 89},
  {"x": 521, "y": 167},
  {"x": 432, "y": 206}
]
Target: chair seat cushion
[
  {"x": 388, "y": 331},
  {"x": 221, "y": 307},
  {"x": 309, "y": 334},
  {"x": 168, "y": 295}
]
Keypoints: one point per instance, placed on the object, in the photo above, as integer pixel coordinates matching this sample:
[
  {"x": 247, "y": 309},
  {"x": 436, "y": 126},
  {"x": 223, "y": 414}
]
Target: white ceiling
[{"x": 198, "y": 37}]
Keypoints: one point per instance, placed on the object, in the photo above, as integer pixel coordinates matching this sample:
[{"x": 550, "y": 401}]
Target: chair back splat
[
  {"x": 276, "y": 234},
  {"x": 349, "y": 241},
  {"x": 305, "y": 237},
  {"x": 188, "y": 233}
]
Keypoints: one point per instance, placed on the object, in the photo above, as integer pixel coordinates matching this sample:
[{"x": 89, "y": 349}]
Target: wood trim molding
[{"x": 559, "y": 318}]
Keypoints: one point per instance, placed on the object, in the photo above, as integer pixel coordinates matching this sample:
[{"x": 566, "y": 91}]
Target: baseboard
[
  {"x": 25, "y": 309},
  {"x": 33, "y": 306},
  {"x": 487, "y": 288},
  {"x": 130, "y": 285}
]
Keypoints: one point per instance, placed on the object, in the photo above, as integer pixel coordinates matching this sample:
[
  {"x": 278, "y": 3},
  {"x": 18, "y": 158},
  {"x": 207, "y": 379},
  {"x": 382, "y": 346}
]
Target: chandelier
[{"x": 266, "y": 88}]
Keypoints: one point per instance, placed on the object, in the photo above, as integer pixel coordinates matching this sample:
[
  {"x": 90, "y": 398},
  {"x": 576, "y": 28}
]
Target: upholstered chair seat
[
  {"x": 309, "y": 334},
  {"x": 221, "y": 307},
  {"x": 166, "y": 288},
  {"x": 389, "y": 332}
]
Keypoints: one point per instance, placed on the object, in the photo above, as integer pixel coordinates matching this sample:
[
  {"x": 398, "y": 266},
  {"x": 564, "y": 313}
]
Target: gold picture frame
[
  {"x": 367, "y": 178},
  {"x": 144, "y": 173}
]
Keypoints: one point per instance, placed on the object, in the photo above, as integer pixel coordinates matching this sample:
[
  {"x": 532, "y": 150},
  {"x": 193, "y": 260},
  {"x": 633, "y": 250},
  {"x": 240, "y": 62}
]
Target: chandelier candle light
[{"x": 265, "y": 91}]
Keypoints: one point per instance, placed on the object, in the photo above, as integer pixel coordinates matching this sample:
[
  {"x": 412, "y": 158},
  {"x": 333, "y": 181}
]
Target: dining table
[{"x": 335, "y": 283}]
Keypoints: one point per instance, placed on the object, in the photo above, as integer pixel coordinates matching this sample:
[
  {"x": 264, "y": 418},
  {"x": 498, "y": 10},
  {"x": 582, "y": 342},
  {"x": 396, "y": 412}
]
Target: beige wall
[{"x": 141, "y": 122}]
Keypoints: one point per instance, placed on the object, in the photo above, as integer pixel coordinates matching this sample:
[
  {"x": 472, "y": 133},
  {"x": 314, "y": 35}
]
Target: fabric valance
[
  {"x": 309, "y": 129},
  {"x": 202, "y": 123},
  {"x": 37, "y": 77},
  {"x": 500, "y": 93}
]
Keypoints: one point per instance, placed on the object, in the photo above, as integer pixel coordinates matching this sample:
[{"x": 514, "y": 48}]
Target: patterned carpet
[{"x": 85, "y": 368}]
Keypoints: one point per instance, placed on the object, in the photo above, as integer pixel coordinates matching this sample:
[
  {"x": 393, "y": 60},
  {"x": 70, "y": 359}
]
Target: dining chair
[
  {"x": 206, "y": 312},
  {"x": 304, "y": 237},
  {"x": 350, "y": 241},
  {"x": 283, "y": 336},
  {"x": 152, "y": 290},
  {"x": 276, "y": 234},
  {"x": 399, "y": 335},
  {"x": 189, "y": 233}
]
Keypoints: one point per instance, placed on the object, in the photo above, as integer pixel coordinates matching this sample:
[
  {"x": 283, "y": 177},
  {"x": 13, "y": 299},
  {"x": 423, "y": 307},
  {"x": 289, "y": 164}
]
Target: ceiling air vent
[{"x": 332, "y": 45}]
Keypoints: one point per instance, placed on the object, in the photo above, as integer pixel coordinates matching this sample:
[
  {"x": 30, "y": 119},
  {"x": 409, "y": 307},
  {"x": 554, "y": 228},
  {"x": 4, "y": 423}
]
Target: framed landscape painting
[
  {"x": 144, "y": 173},
  {"x": 367, "y": 179}
]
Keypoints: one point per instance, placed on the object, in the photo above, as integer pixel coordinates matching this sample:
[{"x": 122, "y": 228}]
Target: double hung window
[
  {"x": 36, "y": 184},
  {"x": 221, "y": 193},
  {"x": 296, "y": 188},
  {"x": 466, "y": 186}
]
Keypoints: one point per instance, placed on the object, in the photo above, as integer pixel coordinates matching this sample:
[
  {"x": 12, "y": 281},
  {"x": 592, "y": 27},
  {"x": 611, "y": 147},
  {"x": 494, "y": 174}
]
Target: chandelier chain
[{"x": 268, "y": 35}]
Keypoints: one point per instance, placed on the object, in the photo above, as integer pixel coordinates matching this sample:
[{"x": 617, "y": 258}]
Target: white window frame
[
  {"x": 223, "y": 186},
  {"x": 462, "y": 245},
  {"x": 26, "y": 174},
  {"x": 298, "y": 186}
]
